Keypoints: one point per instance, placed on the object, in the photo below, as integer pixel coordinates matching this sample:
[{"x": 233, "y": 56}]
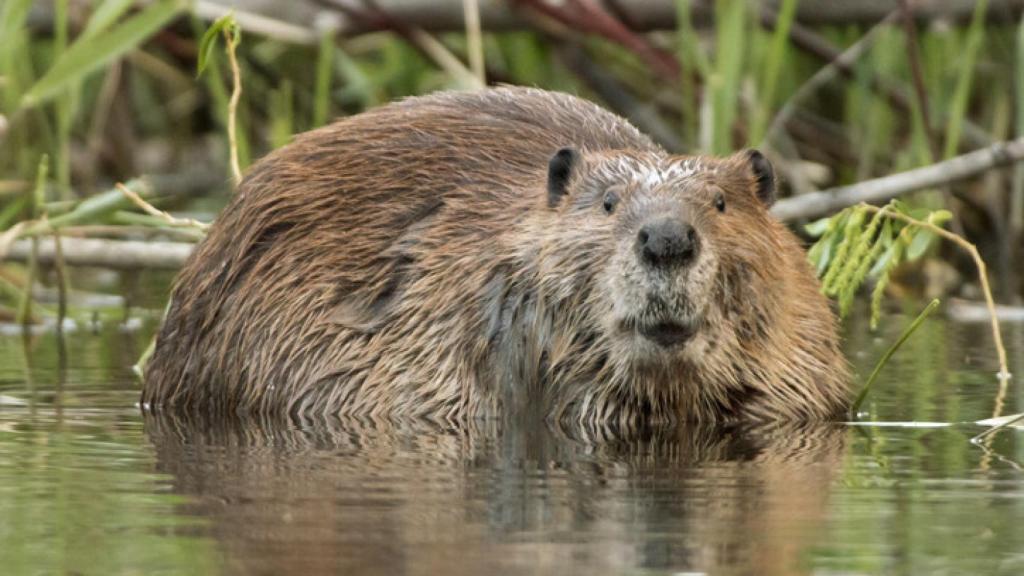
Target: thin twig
[
  {"x": 153, "y": 211},
  {"x": 443, "y": 57},
  {"x": 474, "y": 40},
  {"x": 883, "y": 189},
  {"x": 1004, "y": 371},
  {"x": 236, "y": 95}
]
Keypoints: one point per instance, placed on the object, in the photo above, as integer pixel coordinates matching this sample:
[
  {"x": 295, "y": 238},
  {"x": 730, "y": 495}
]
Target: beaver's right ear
[
  {"x": 764, "y": 177},
  {"x": 560, "y": 169}
]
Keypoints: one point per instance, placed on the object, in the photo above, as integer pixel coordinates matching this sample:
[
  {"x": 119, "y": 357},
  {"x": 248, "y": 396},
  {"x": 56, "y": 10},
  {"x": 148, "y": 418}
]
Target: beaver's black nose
[{"x": 667, "y": 242}]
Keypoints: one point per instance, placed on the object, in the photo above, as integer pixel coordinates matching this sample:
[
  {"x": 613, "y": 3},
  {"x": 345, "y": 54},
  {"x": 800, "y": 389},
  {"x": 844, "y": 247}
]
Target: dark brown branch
[
  {"x": 447, "y": 15},
  {"x": 589, "y": 17},
  {"x": 914, "y": 54}
]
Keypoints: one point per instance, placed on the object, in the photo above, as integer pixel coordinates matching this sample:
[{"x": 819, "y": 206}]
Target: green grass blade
[
  {"x": 888, "y": 354},
  {"x": 104, "y": 15},
  {"x": 90, "y": 54},
  {"x": 92, "y": 209},
  {"x": 691, "y": 61},
  {"x": 12, "y": 18},
  {"x": 324, "y": 69},
  {"x": 65, "y": 105},
  {"x": 282, "y": 122},
  {"x": 962, "y": 92},
  {"x": 730, "y": 29},
  {"x": 772, "y": 68}
]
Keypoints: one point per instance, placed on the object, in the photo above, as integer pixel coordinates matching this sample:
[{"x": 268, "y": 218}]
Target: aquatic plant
[{"x": 867, "y": 242}]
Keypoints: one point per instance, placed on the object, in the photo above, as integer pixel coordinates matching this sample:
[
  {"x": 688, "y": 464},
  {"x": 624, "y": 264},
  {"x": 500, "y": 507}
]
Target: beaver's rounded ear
[
  {"x": 560, "y": 169},
  {"x": 764, "y": 176}
]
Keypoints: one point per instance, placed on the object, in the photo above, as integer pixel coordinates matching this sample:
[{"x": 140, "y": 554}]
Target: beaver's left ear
[{"x": 764, "y": 176}]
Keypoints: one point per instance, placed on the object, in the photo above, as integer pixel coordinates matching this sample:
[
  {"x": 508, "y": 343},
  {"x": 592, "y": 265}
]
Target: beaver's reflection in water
[{"x": 348, "y": 497}]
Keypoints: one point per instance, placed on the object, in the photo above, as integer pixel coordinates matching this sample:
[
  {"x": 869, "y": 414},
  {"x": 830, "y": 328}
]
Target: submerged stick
[
  {"x": 888, "y": 354},
  {"x": 1009, "y": 422},
  {"x": 62, "y": 280}
]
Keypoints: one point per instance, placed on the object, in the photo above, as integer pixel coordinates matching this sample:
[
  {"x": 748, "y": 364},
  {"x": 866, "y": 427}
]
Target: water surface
[{"x": 90, "y": 486}]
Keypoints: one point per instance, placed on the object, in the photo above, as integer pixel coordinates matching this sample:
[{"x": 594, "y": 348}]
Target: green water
[{"x": 90, "y": 486}]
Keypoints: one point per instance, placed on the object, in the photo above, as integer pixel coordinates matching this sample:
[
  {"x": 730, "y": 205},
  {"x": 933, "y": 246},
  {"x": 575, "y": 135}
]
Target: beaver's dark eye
[
  {"x": 611, "y": 199},
  {"x": 720, "y": 202}
]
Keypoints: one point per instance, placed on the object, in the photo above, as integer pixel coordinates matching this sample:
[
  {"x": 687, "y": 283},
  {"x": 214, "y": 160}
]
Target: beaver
[{"x": 482, "y": 254}]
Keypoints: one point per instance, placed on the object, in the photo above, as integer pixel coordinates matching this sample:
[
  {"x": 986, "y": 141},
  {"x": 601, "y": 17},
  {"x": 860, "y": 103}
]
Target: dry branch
[
  {"x": 819, "y": 204},
  {"x": 115, "y": 254}
]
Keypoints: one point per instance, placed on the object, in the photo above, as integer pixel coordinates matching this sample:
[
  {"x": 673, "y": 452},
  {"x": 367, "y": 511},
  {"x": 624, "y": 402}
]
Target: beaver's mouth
[
  {"x": 664, "y": 333},
  {"x": 667, "y": 334}
]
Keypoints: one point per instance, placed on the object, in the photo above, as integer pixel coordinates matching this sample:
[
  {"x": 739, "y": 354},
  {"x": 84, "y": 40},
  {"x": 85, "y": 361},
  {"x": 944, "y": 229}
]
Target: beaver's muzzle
[{"x": 667, "y": 242}]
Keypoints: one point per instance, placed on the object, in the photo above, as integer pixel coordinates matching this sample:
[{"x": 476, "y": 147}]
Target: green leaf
[
  {"x": 940, "y": 217},
  {"x": 104, "y": 15},
  {"x": 224, "y": 24},
  {"x": 817, "y": 228},
  {"x": 901, "y": 206},
  {"x": 922, "y": 240},
  {"x": 89, "y": 54},
  {"x": 828, "y": 248},
  {"x": 12, "y": 17},
  {"x": 889, "y": 258}
]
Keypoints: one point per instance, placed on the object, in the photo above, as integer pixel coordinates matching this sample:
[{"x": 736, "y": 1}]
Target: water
[{"x": 90, "y": 486}]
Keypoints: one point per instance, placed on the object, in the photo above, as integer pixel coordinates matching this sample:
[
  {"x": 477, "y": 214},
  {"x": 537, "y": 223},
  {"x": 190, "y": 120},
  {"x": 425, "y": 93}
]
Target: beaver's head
[{"x": 676, "y": 249}]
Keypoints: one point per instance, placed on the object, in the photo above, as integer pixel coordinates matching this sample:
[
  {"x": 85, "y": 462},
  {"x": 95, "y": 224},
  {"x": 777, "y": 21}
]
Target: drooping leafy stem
[
  {"x": 848, "y": 252},
  {"x": 1004, "y": 372},
  {"x": 227, "y": 27}
]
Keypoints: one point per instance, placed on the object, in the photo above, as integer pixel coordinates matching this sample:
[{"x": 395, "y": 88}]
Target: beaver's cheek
[
  {"x": 623, "y": 288},
  {"x": 694, "y": 286}
]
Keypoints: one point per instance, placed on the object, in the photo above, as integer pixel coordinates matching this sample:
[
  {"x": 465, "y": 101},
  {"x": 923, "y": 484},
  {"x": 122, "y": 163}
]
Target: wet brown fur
[{"x": 405, "y": 263}]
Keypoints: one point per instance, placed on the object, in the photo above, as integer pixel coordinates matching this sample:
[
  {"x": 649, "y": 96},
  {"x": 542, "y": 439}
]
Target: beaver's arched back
[{"x": 335, "y": 214}]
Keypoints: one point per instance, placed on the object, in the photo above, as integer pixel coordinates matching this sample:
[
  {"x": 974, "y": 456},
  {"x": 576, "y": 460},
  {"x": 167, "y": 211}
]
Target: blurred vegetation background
[{"x": 96, "y": 93}]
